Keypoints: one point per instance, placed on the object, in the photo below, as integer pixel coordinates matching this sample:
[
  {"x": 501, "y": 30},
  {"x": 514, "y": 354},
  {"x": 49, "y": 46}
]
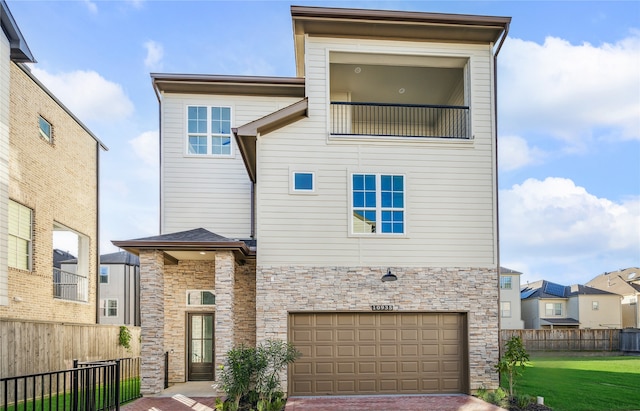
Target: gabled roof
[
  {"x": 505, "y": 270},
  {"x": 397, "y": 25},
  {"x": 560, "y": 321},
  {"x": 620, "y": 282},
  {"x": 60, "y": 256},
  {"x": 20, "y": 52},
  {"x": 547, "y": 289}
]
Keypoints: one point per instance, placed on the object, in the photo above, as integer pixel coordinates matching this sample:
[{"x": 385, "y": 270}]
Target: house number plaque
[{"x": 382, "y": 308}]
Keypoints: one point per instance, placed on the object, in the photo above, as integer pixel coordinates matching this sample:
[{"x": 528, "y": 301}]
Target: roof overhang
[
  {"x": 230, "y": 85},
  {"x": 20, "y": 52},
  {"x": 175, "y": 251},
  {"x": 393, "y": 25},
  {"x": 247, "y": 134}
]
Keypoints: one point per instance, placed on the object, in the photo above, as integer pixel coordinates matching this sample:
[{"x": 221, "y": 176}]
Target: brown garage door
[{"x": 378, "y": 353}]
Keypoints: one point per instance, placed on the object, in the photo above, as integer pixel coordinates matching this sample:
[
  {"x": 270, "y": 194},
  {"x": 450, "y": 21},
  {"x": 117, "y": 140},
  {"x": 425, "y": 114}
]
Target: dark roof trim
[
  {"x": 28, "y": 72},
  {"x": 247, "y": 134},
  {"x": 236, "y": 85},
  {"x": 20, "y": 52}
]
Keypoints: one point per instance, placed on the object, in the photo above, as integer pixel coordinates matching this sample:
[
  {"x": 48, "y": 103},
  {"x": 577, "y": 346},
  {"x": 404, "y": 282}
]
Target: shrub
[
  {"x": 513, "y": 360},
  {"x": 253, "y": 375},
  {"x": 498, "y": 397}
]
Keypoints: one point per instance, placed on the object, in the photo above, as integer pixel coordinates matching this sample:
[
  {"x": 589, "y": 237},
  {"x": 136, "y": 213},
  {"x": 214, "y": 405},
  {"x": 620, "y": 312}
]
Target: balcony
[
  {"x": 399, "y": 120},
  {"x": 69, "y": 286}
]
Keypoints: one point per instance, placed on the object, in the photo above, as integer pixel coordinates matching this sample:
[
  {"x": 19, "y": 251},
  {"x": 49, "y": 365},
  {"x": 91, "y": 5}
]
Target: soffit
[{"x": 231, "y": 85}]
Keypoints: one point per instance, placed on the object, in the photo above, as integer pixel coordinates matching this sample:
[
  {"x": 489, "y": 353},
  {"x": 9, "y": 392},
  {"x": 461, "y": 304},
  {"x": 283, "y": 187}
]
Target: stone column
[
  {"x": 225, "y": 305},
  {"x": 152, "y": 321}
]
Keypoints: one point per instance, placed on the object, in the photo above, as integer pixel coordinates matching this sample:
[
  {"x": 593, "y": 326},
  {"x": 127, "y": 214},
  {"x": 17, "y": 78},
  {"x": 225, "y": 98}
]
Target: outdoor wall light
[{"x": 389, "y": 277}]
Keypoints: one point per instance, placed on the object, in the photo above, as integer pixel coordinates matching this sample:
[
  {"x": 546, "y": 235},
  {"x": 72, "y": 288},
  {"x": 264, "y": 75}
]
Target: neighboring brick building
[
  {"x": 49, "y": 184},
  {"x": 368, "y": 182}
]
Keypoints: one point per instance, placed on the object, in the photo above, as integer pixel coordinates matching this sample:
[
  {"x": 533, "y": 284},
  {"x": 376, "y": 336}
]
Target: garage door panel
[{"x": 375, "y": 353}]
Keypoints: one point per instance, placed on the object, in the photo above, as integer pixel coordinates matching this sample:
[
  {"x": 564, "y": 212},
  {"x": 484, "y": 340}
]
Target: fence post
[
  {"x": 117, "y": 384},
  {"x": 74, "y": 386}
]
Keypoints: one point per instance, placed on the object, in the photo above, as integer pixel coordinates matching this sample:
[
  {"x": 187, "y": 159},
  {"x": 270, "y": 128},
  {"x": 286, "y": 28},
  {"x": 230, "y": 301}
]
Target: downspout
[
  {"x": 97, "y": 233},
  {"x": 157, "y": 92},
  {"x": 253, "y": 210},
  {"x": 495, "y": 122}
]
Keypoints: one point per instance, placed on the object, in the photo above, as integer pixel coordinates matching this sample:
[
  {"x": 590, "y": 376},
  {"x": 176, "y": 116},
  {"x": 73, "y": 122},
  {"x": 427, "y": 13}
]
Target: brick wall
[
  {"x": 58, "y": 182},
  {"x": 475, "y": 291}
]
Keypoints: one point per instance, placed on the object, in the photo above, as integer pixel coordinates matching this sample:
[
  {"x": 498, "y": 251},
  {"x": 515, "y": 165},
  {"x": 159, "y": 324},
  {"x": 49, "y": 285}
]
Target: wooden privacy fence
[
  {"x": 29, "y": 347},
  {"x": 566, "y": 339}
]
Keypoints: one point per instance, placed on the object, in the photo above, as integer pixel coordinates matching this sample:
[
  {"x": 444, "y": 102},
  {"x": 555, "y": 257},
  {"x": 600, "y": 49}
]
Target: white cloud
[
  {"x": 514, "y": 152},
  {"x": 93, "y": 7},
  {"x": 155, "y": 53},
  {"x": 571, "y": 90},
  {"x": 554, "y": 223},
  {"x": 88, "y": 95},
  {"x": 145, "y": 147}
]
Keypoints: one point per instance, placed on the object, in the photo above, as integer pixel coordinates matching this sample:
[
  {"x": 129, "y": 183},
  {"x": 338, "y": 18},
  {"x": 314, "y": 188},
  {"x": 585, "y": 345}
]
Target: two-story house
[
  {"x": 549, "y": 305},
  {"x": 510, "y": 307},
  {"x": 627, "y": 284},
  {"x": 350, "y": 210},
  {"x": 48, "y": 188}
]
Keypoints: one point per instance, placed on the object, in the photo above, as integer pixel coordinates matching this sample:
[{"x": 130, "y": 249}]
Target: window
[
  {"x": 505, "y": 308},
  {"x": 553, "y": 309},
  {"x": 201, "y": 297},
  {"x": 45, "y": 128},
  {"x": 595, "y": 305},
  {"x": 505, "y": 282},
  {"x": 303, "y": 182},
  {"x": 209, "y": 131},
  {"x": 20, "y": 227},
  {"x": 110, "y": 307},
  {"x": 377, "y": 204},
  {"x": 104, "y": 274}
]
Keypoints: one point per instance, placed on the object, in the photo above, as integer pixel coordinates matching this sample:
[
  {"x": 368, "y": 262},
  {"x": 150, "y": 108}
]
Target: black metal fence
[
  {"x": 401, "y": 120},
  {"x": 90, "y": 386}
]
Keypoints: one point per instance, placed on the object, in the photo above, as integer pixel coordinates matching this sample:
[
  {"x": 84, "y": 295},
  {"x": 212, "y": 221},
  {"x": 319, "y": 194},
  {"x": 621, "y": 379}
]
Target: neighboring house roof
[
  {"x": 560, "y": 321},
  {"x": 197, "y": 239},
  {"x": 504, "y": 270},
  {"x": 120, "y": 257},
  {"x": 20, "y": 52},
  {"x": 60, "y": 257},
  {"x": 620, "y": 282},
  {"x": 548, "y": 289}
]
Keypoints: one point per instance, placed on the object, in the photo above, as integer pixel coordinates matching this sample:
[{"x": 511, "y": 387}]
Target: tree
[{"x": 513, "y": 360}]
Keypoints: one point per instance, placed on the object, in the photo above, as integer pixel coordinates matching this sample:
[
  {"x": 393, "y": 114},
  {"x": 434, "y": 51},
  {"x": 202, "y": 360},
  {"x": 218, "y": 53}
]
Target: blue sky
[{"x": 569, "y": 108}]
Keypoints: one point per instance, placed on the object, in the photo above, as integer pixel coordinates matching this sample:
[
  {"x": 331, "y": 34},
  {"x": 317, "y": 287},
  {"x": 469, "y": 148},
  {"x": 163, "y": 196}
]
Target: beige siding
[
  {"x": 212, "y": 193},
  {"x": 450, "y": 185},
  {"x": 513, "y": 296},
  {"x": 4, "y": 165},
  {"x": 608, "y": 314}
]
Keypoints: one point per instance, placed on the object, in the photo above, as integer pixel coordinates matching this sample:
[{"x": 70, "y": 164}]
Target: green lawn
[{"x": 583, "y": 383}]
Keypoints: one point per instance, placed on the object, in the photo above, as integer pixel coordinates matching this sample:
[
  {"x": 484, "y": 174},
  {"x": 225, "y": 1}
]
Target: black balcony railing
[
  {"x": 399, "y": 120},
  {"x": 69, "y": 286}
]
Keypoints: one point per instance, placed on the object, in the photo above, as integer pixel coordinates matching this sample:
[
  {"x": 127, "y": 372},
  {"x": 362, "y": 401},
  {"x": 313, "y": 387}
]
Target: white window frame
[
  {"x": 209, "y": 134},
  {"x": 108, "y": 275},
  {"x": 553, "y": 309},
  {"x": 292, "y": 182},
  {"x": 595, "y": 305},
  {"x": 504, "y": 310},
  {"x": 43, "y": 134},
  {"x": 503, "y": 282},
  {"x": 189, "y": 292},
  {"x": 18, "y": 233},
  {"x": 378, "y": 208},
  {"x": 106, "y": 307}
]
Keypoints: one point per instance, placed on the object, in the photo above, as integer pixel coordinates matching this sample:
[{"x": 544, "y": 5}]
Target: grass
[{"x": 583, "y": 383}]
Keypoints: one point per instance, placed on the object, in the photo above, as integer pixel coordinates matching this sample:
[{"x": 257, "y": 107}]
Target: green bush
[
  {"x": 498, "y": 397},
  {"x": 252, "y": 375}
]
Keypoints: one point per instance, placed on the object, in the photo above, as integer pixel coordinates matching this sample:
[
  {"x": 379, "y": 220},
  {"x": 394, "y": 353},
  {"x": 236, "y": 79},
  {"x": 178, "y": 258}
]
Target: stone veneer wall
[
  {"x": 281, "y": 290},
  {"x": 152, "y": 321}
]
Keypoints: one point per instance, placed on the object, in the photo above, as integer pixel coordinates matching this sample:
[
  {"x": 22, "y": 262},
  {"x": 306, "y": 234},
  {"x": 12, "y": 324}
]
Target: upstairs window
[
  {"x": 45, "y": 128},
  {"x": 553, "y": 309},
  {"x": 110, "y": 307},
  {"x": 20, "y": 236},
  {"x": 377, "y": 204},
  {"x": 505, "y": 282},
  {"x": 209, "y": 131},
  {"x": 302, "y": 182},
  {"x": 201, "y": 297},
  {"x": 104, "y": 274}
]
